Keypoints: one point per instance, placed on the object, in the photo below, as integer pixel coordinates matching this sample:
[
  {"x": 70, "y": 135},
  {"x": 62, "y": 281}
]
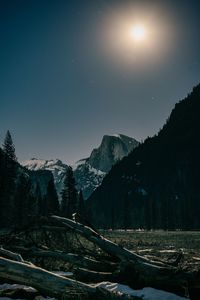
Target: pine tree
[
  {"x": 52, "y": 204},
  {"x": 10, "y": 164},
  {"x": 38, "y": 206},
  {"x": 69, "y": 195},
  {"x": 23, "y": 208},
  {"x": 81, "y": 204},
  {"x": 2, "y": 187},
  {"x": 126, "y": 213},
  {"x": 9, "y": 181},
  {"x": 8, "y": 147}
]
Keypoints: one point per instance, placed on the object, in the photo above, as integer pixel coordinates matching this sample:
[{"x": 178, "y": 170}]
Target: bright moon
[
  {"x": 135, "y": 38},
  {"x": 138, "y": 32}
]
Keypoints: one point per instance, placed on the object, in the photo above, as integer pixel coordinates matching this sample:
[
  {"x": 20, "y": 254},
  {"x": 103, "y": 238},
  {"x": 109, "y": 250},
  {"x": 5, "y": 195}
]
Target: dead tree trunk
[
  {"x": 109, "y": 247},
  {"x": 46, "y": 282},
  {"x": 89, "y": 276},
  {"x": 136, "y": 270},
  {"x": 74, "y": 259},
  {"x": 11, "y": 255},
  {"x": 131, "y": 269},
  {"x": 50, "y": 284}
]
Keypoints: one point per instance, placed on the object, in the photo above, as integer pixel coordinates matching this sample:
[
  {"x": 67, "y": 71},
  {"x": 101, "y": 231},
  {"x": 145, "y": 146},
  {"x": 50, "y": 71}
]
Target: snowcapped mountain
[
  {"x": 57, "y": 167},
  {"x": 87, "y": 178},
  {"x": 89, "y": 172}
]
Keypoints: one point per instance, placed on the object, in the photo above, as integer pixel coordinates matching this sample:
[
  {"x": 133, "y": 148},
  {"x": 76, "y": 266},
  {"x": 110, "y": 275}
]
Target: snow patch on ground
[
  {"x": 146, "y": 293},
  {"x": 6, "y": 286}
]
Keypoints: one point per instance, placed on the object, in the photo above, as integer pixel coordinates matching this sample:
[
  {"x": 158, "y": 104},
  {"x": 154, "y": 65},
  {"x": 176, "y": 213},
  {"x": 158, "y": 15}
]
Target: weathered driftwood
[
  {"x": 89, "y": 276},
  {"x": 46, "y": 282},
  {"x": 10, "y": 254},
  {"x": 90, "y": 270},
  {"x": 136, "y": 270},
  {"x": 131, "y": 269},
  {"x": 53, "y": 285},
  {"x": 19, "y": 293},
  {"x": 109, "y": 247},
  {"x": 75, "y": 259}
]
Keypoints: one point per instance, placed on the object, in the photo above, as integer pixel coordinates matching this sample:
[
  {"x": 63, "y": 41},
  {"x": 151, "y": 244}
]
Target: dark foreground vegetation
[{"x": 157, "y": 260}]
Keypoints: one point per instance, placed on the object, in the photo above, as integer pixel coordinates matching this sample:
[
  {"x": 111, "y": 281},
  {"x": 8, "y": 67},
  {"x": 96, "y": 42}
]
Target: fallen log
[
  {"x": 109, "y": 247},
  {"x": 75, "y": 259},
  {"x": 12, "y": 255},
  {"x": 53, "y": 285},
  {"x": 133, "y": 269},
  {"x": 46, "y": 282},
  {"x": 19, "y": 293},
  {"x": 89, "y": 276},
  {"x": 136, "y": 270}
]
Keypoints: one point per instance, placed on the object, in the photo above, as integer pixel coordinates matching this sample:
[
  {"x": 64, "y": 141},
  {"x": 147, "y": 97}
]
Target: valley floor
[
  {"x": 165, "y": 245},
  {"x": 159, "y": 243}
]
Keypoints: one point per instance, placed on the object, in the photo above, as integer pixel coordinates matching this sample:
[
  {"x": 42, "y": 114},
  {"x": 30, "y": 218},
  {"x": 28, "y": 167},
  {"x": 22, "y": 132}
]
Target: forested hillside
[
  {"x": 24, "y": 195},
  {"x": 157, "y": 185}
]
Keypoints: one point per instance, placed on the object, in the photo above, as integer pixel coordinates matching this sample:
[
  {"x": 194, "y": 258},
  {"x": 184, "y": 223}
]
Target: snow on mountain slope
[
  {"x": 89, "y": 172},
  {"x": 87, "y": 178},
  {"x": 57, "y": 167}
]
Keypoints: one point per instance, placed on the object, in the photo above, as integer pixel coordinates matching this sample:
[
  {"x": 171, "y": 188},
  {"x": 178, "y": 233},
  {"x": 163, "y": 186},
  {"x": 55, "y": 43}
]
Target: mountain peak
[
  {"x": 112, "y": 149},
  {"x": 90, "y": 172},
  {"x": 56, "y": 166}
]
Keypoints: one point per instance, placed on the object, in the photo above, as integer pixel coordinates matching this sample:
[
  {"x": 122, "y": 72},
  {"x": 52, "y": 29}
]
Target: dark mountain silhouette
[{"x": 157, "y": 185}]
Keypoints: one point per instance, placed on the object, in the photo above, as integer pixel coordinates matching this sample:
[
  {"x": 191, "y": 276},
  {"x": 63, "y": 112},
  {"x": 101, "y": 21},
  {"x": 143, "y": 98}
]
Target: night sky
[{"x": 69, "y": 73}]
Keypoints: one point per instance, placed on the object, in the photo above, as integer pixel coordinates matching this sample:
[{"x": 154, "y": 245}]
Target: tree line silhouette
[{"x": 21, "y": 199}]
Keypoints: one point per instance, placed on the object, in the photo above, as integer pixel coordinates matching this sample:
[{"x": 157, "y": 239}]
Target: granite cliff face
[
  {"x": 89, "y": 172},
  {"x": 112, "y": 149}
]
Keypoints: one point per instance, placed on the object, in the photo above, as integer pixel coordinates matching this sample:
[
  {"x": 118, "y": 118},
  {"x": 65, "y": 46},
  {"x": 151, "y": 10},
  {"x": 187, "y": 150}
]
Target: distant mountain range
[
  {"x": 88, "y": 172},
  {"x": 56, "y": 167},
  {"x": 157, "y": 184}
]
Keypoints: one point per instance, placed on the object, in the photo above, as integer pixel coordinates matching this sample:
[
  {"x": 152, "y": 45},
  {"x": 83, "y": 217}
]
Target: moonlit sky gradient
[{"x": 69, "y": 73}]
